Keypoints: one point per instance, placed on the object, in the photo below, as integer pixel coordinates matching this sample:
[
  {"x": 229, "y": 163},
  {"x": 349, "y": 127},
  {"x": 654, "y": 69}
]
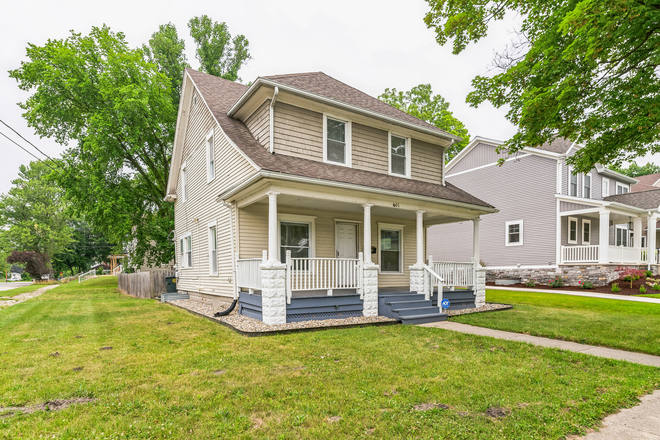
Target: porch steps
[
  {"x": 458, "y": 299},
  {"x": 409, "y": 308}
]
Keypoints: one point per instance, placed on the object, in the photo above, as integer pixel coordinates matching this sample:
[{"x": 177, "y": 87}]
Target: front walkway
[
  {"x": 642, "y": 299},
  {"x": 25, "y": 296}
]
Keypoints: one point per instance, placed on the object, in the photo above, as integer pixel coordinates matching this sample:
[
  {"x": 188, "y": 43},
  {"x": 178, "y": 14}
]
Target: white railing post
[
  {"x": 431, "y": 280},
  {"x": 288, "y": 277},
  {"x": 360, "y": 275}
]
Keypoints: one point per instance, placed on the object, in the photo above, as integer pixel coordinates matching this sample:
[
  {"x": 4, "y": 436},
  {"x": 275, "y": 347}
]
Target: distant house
[
  {"x": 551, "y": 220},
  {"x": 305, "y": 198},
  {"x": 645, "y": 183}
]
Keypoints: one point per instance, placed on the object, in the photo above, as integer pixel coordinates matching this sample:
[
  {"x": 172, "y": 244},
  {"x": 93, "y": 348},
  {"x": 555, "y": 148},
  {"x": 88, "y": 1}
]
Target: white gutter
[
  {"x": 261, "y": 81},
  {"x": 230, "y": 206},
  {"x": 300, "y": 179},
  {"x": 272, "y": 105}
]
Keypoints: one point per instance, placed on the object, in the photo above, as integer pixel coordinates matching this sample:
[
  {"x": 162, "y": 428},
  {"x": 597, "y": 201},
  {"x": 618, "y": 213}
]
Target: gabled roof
[
  {"x": 558, "y": 145},
  {"x": 220, "y": 95},
  {"x": 644, "y": 183},
  {"x": 642, "y": 199}
]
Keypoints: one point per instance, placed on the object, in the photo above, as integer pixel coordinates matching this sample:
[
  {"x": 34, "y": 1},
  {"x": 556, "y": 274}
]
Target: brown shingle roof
[
  {"x": 321, "y": 84},
  {"x": 221, "y": 94},
  {"x": 643, "y": 199},
  {"x": 559, "y": 145},
  {"x": 645, "y": 182}
]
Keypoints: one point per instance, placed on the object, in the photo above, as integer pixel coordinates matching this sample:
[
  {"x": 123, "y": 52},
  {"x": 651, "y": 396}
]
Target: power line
[
  {"x": 22, "y": 148},
  {"x": 21, "y": 136}
]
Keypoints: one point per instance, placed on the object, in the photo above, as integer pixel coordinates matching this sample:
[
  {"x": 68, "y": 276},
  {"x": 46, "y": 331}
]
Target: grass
[
  {"x": 17, "y": 291},
  {"x": 650, "y": 295},
  {"x": 170, "y": 374},
  {"x": 625, "y": 325}
]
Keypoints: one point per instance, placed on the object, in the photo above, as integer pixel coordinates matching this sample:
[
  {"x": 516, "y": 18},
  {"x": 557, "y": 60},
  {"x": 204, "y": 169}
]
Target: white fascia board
[
  {"x": 615, "y": 175},
  {"x": 293, "y": 178},
  {"x": 177, "y": 148},
  {"x": 543, "y": 153},
  {"x": 602, "y": 203},
  {"x": 293, "y": 90},
  {"x": 473, "y": 143}
]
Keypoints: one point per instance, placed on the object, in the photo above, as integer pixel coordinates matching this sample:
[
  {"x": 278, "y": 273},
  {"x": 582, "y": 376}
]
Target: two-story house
[
  {"x": 305, "y": 198},
  {"x": 552, "y": 221}
]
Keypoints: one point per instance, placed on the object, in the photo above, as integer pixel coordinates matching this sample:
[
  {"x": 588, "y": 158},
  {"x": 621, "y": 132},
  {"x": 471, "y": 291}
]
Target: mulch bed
[{"x": 624, "y": 285}]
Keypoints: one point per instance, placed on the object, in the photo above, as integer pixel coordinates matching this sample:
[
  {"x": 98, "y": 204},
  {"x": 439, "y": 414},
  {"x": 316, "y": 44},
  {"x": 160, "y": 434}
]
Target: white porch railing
[
  {"x": 248, "y": 273},
  {"x": 579, "y": 254},
  {"x": 621, "y": 254},
  {"x": 432, "y": 279},
  {"x": 87, "y": 275},
  {"x": 117, "y": 270},
  {"x": 322, "y": 274},
  {"x": 454, "y": 274}
]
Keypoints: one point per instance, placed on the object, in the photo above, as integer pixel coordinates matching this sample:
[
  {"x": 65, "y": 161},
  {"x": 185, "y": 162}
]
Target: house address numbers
[{"x": 396, "y": 205}]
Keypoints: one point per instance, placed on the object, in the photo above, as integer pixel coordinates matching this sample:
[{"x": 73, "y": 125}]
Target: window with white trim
[
  {"x": 210, "y": 158},
  {"x": 514, "y": 233},
  {"x": 391, "y": 248},
  {"x": 572, "y": 183},
  {"x": 621, "y": 188},
  {"x": 586, "y": 186},
  {"x": 213, "y": 249},
  {"x": 622, "y": 235},
  {"x": 586, "y": 231},
  {"x": 572, "y": 230},
  {"x": 606, "y": 187},
  {"x": 184, "y": 183},
  {"x": 186, "y": 250},
  {"x": 399, "y": 155},
  {"x": 643, "y": 241},
  {"x": 336, "y": 141}
]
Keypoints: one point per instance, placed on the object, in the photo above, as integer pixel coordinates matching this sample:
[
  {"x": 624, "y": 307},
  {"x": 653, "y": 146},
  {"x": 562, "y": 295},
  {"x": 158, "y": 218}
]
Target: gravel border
[{"x": 488, "y": 307}]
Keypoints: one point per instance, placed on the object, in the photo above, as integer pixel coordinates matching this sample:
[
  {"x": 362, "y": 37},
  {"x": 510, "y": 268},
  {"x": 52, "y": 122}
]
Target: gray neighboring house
[{"x": 551, "y": 220}]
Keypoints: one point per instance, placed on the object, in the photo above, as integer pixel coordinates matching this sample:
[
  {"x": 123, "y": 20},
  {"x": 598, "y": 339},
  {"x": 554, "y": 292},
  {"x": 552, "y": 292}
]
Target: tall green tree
[
  {"x": 586, "y": 70},
  {"x": 86, "y": 248},
  {"x": 421, "y": 103},
  {"x": 634, "y": 170},
  {"x": 218, "y": 53},
  {"x": 167, "y": 51},
  {"x": 34, "y": 214}
]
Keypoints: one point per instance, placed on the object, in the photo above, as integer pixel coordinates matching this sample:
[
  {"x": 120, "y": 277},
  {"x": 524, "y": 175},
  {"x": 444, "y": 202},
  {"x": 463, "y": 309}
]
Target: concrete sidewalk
[
  {"x": 576, "y": 293},
  {"x": 638, "y": 358}
]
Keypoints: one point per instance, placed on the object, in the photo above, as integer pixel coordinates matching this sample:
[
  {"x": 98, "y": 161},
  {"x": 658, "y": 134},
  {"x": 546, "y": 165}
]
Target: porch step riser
[
  {"x": 408, "y": 304},
  {"x": 416, "y": 311},
  {"x": 424, "y": 320}
]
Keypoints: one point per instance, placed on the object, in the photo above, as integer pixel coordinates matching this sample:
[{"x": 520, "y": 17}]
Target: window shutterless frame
[
  {"x": 210, "y": 157},
  {"x": 572, "y": 230},
  {"x": 514, "y": 233},
  {"x": 606, "y": 187},
  {"x": 572, "y": 183},
  {"x": 586, "y": 186},
  {"x": 390, "y": 248},
  {"x": 294, "y": 219},
  {"x": 586, "y": 231},
  {"x": 337, "y": 134},
  {"x": 213, "y": 248},
  {"x": 186, "y": 250},
  {"x": 621, "y": 188},
  {"x": 399, "y": 155}
]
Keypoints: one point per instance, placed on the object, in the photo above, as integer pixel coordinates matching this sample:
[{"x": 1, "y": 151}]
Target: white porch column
[
  {"x": 420, "y": 238},
  {"x": 273, "y": 251},
  {"x": 604, "y": 238},
  {"x": 367, "y": 232},
  {"x": 475, "y": 239},
  {"x": 650, "y": 239},
  {"x": 637, "y": 237}
]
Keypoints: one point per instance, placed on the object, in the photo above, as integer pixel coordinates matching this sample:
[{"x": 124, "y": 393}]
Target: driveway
[{"x": 15, "y": 284}]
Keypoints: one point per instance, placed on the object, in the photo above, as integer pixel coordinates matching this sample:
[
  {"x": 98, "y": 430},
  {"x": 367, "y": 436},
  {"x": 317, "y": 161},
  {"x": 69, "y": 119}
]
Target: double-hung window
[
  {"x": 186, "y": 250},
  {"x": 336, "y": 141},
  {"x": 572, "y": 183},
  {"x": 295, "y": 237},
  {"x": 572, "y": 230},
  {"x": 210, "y": 158},
  {"x": 184, "y": 183},
  {"x": 514, "y": 233},
  {"x": 391, "y": 248},
  {"x": 399, "y": 155},
  {"x": 621, "y": 188},
  {"x": 586, "y": 231},
  {"x": 622, "y": 234},
  {"x": 213, "y": 249},
  {"x": 606, "y": 187},
  {"x": 586, "y": 186}
]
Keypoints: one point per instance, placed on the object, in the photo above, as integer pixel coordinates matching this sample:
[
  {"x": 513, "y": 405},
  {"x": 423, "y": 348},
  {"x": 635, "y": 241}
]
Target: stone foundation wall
[{"x": 599, "y": 275}]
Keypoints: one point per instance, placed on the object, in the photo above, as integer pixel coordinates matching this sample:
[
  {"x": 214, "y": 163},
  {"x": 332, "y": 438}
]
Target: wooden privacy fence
[{"x": 143, "y": 284}]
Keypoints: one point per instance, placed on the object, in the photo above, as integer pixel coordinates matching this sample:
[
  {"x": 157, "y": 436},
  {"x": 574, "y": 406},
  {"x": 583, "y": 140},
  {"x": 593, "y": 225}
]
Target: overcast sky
[{"x": 370, "y": 45}]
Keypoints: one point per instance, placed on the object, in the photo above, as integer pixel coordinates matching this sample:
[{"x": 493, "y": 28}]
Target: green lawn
[
  {"x": 650, "y": 295},
  {"x": 625, "y": 325},
  {"x": 171, "y": 374},
  {"x": 17, "y": 291}
]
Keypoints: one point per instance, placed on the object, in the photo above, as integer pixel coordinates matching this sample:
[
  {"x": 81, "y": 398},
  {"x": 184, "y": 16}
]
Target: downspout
[
  {"x": 444, "y": 158},
  {"x": 230, "y": 207},
  {"x": 272, "y": 105}
]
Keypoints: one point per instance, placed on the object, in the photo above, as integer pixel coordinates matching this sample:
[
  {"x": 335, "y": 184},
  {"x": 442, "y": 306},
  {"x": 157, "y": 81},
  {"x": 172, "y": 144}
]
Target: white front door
[{"x": 347, "y": 240}]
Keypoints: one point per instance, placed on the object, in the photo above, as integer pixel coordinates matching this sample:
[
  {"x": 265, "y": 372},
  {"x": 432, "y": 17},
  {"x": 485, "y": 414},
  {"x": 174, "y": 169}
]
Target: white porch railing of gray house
[
  {"x": 580, "y": 254},
  {"x": 621, "y": 254},
  {"x": 327, "y": 274},
  {"x": 591, "y": 254},
  {"x": 248, "y": 273}
]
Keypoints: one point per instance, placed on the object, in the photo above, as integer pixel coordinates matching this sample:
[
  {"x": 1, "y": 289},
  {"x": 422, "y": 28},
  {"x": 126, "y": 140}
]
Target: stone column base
[
  {"x": 480, "y": 288},
  {"x": 273, "y": 293},
  {"x": 370, "y": 290},
  {"x": 416, "y": 279}
]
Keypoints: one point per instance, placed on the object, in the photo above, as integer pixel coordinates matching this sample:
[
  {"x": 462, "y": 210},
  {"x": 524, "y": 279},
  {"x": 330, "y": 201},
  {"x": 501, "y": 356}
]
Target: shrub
[
  {"x": 25, "y": 276},
  {"x": 615, "y": 287},
  {"x": 557, "y": 282},
  {"x": 530, "y": 283},
  {"x": 631, "y": 275},
  {"x": 656, "y": 286},
  {"x": 648, "y": 273},
  {"x": 586, "y": 285},
  {"x": 99, "y": 270},
  {"x": 642, "y": 289}
]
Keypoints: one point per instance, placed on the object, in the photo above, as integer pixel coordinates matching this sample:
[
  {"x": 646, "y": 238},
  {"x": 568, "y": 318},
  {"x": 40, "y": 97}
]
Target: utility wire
[{"x": 22, "y": 148}]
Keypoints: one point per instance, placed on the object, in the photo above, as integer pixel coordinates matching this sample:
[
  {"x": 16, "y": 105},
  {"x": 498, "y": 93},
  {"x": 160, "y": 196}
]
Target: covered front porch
[
  {"x": 309, "y": 252},
  {"x": 605, "y": 234}
]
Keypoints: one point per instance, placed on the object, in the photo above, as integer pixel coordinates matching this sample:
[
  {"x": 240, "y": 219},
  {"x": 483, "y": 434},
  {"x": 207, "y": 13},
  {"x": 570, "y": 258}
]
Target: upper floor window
[
  {"x": 399, "y": 155},
  {"x": 586, "y": 186},
  {"x": 621, "y": 188},
  {"x": 572, "y": 183},
  {"x": 210, "y": 158},
  {"x": 606, "y": 187},
  {"x": 514, "y": 233},
  {"x": 336, "y": 141},
  {"x": 184, "y": 183}
]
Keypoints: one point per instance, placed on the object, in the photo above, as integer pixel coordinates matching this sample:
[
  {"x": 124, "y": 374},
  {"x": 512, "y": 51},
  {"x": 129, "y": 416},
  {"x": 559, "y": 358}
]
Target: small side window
[{"x": 514, "y": 233}]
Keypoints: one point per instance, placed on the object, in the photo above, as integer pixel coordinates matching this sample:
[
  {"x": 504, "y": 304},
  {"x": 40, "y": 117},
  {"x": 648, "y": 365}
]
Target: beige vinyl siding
[
  {"x": 259, "y": 124},
  {"x": 253, "y": 227},
  {"x": 298, "y": 132},
  {"x": 370, "y": 147},
  {"x": 426, "y": 162},
  {"x": 201, "y": 208}
]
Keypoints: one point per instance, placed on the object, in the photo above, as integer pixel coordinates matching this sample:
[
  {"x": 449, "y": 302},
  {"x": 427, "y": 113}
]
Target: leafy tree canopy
[
  {"x": 35, "y": 263},
  {"x": 166, "y": 50},
  {"x": 585, "y": 70},
  {"x": 635, "y": 170},
  {"x": 86, "y": 249},
  {"x": 421, "y": 103},
  {"x": 33, "y": 213}
]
